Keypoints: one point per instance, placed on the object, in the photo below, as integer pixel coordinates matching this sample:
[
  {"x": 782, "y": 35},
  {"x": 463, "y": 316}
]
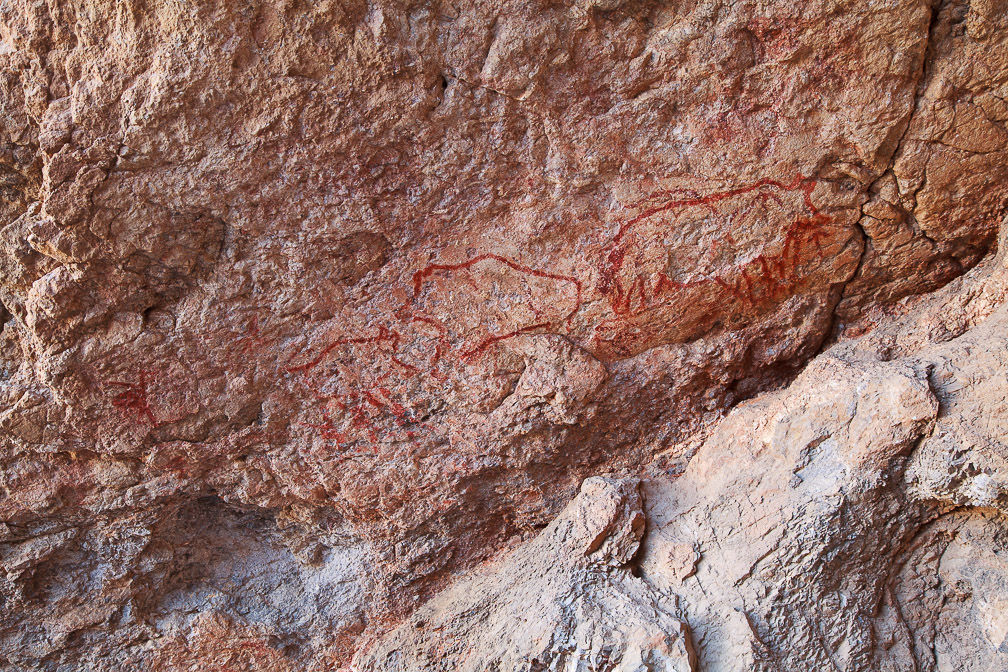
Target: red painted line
[{"x": 486, "y": 343}]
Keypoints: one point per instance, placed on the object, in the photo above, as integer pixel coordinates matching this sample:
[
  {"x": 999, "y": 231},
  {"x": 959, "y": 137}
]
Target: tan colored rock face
[
  {"x": 850, "y": 521},
  {"x": 393, "y": 280}
]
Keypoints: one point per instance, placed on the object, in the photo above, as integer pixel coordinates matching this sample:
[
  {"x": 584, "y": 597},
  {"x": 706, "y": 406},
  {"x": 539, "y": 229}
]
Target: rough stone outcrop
[
  {"x": 854, "y": 521},
  {"x": 309, "y": 309},
  {"x": 566, "y": 598}
]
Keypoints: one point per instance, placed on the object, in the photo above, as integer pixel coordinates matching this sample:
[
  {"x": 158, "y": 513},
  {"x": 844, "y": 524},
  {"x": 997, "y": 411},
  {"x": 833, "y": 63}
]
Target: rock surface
[
  {"x": 309, "y": 309},
  {"x": 853, "y": 521},
  {"x": 566, "y": 599}
]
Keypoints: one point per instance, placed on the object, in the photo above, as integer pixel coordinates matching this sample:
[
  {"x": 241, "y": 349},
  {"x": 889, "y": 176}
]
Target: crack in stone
[{"x": 927, "y": 60}]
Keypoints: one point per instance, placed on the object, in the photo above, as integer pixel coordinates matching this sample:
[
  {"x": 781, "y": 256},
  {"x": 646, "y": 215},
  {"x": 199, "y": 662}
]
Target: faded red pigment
[
  {"x": 634, "y": 294},
  {"x": 777, "y": 270},
  {"x": 134, "y": 398},
  {"x": 382, "y": 403}
]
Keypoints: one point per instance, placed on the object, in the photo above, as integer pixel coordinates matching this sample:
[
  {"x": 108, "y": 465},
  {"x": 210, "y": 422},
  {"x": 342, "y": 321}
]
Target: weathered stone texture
[{"x": 308, "y": 309}]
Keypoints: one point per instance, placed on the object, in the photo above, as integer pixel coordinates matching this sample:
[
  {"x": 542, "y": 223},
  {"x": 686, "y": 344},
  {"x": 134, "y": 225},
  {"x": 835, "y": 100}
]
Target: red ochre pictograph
[
  {"x": 251, "y": 339},
  {"x": 681, "y": 256},
  {"x": 372, "y": 404},
  {"x": 134, "y": 398},
  {"x": 473, "y": 351},
  {"x": 643, "y": 294},
  {"x": 458, "y": 312}
]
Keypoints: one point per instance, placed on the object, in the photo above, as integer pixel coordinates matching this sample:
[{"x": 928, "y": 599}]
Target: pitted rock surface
[{"x": 309, "y": 309}]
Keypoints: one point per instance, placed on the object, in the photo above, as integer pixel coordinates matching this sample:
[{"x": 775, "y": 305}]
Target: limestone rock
[
  {"x": 566, "y": 600},
  {"x": 363, "y": 291},
  {"x": 852, "y": 521}
]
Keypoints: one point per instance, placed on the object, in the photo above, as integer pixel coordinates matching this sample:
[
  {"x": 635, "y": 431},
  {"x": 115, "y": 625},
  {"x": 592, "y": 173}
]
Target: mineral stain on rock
[
  {"x": 358, "y": 254},
  {"x": 523, "y": 336}
]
